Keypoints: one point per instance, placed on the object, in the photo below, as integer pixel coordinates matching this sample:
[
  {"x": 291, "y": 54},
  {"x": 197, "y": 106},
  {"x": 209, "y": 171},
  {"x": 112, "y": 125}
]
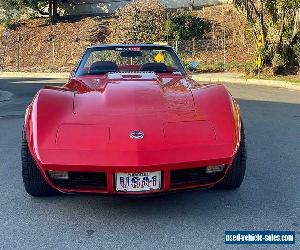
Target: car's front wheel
[
  {"x": 236, "y": 173},
  {"x": 33, "y": 180}
]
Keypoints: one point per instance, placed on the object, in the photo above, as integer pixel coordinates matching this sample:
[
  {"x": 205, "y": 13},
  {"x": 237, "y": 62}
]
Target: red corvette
[{"x": 131, "y": 121}]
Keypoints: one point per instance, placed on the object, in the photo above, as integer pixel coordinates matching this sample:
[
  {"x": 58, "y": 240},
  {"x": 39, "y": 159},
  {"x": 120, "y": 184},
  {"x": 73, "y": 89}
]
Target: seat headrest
[
  {"x": 101, "y": 67},
  {"x": 156, "y": 67}
]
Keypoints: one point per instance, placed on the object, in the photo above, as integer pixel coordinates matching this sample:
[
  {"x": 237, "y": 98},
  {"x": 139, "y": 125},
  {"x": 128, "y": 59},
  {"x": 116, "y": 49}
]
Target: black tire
[
  {"x": 33, "y": 181},
  {"x": 236, "y": 173}
]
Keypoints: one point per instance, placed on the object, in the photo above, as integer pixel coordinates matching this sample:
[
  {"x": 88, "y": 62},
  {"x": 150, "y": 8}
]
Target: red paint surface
[{"x": 86, "y": 125}]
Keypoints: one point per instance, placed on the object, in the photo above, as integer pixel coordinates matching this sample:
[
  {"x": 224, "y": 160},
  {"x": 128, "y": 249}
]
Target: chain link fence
[
  {"x": 47, "y": 56},
  {"x": 53, "y": 55},
  {"x": 216, "y": 54}
]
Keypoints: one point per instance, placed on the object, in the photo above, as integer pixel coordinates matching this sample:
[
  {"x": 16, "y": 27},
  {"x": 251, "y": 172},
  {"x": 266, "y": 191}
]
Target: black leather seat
[
  {"x": 102, "y": 67},
  {"x": 156, "y": 67}
]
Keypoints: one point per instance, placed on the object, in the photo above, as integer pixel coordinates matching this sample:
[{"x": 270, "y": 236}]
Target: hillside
[
  {"x": 44, "y": 47},
  {"x": 36, "y": 46},
  {"x": 227, "y": 24}
]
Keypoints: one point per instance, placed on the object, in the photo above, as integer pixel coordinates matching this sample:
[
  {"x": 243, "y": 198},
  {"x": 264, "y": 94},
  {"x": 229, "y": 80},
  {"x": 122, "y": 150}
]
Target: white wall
[
  {"x": 95, "y": 7},
  {"x": 185, "y": 3},
  {"x": 106, "y": 6}
]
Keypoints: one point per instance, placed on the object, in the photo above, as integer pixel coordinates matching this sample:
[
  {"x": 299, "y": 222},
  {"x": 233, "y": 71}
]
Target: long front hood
[{"x": 98, "y": 131}]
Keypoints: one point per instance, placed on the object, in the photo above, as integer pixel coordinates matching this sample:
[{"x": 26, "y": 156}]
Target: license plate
[{"x": 138, "y": 182}]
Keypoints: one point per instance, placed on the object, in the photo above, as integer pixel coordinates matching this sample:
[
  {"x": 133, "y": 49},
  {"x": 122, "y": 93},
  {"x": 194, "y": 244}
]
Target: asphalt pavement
[{"x": 269, "y": 198}]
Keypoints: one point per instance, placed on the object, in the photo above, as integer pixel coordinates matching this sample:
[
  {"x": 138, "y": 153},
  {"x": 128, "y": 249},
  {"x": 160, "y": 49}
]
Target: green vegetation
[
  {"x": 140, "y": 21},
  {"x": 292, "y": 79},
  {"x": 278, "y": 22},
  {"x": 296, "y": 49},
  {"x": 149, "y": 21},
  {"x": 246, "y": 67},
  {"x": 184, "y": 26},
  {"x": 14, "y": 8}
]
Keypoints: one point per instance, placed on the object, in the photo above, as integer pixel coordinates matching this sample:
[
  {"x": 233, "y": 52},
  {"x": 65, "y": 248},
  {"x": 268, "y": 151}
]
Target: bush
[
  {"x": 10, "y": 12},
  {"x": 184, "y": 26},
  {"x": 296, "y": 49},
  {"x": 10, "y": 24},
  {"x": 140, "y": 21},
  {"x": 278, "y": 63}
]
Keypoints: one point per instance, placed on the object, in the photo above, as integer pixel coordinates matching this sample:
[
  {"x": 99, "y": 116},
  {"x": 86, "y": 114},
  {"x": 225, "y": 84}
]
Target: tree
[
  {"x": 140, "y": 21},
  {"x": 46, "y": 7},
  {"x": 278, "y": 22},
  {"x": 43, "y": 7},
  {"x": 183, "y": 25},
  {"x": 9, "y": 10}
]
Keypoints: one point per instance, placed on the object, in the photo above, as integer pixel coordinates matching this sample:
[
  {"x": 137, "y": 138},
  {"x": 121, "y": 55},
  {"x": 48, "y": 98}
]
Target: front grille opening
[
  {"x": 82, "y": 180},
  {"x": 194, "y": 176}
]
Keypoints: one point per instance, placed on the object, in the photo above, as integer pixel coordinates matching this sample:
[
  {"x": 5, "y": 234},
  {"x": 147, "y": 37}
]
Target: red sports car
[{"x": 131, "y": 121}]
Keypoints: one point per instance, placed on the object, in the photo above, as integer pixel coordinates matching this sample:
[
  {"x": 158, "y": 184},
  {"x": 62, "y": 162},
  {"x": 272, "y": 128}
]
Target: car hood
[
  {"x": 107, "y": 111},
  {"x": 136, "y": 96},
  {"x": 163, "y": 109}
]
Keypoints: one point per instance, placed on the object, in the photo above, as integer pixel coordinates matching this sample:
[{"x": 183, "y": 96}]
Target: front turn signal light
[
  {"x": 59, "y": 175},
  {"x": 215, "y": 169}
]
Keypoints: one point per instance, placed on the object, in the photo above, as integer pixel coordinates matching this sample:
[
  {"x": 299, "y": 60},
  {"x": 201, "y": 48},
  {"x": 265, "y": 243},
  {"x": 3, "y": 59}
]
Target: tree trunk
[
  {"x": 296, "y": 28},
  {"x": 263, "y": 29},
  {"x": 50, "y": 9},
  {"x": 280, "y": 63},
  {"x": 280, "y": 35},
  {"x": 54, "y": 12},
  {"x": 191, "y": 5},
  {"x": 291, "y": 56}
]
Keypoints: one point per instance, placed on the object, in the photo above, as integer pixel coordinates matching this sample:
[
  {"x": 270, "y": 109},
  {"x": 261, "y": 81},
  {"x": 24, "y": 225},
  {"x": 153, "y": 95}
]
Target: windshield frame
[{"x": 91, "y": 49}]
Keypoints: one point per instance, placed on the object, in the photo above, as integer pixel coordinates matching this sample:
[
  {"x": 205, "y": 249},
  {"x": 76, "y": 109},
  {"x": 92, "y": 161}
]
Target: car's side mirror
[{"x": 193, "y": 65}]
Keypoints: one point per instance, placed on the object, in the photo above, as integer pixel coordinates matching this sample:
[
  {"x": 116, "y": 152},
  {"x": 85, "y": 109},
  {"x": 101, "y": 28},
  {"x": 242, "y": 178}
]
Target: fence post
[
  {"x": 53, "y": 52},
  {"x": 224, "y": 37},
  {"x": 224, "y": 48},
  {"x": 193, "y": 47},
  {"x": 18, "y": 53},
  {"x": 176, "y": 46}
]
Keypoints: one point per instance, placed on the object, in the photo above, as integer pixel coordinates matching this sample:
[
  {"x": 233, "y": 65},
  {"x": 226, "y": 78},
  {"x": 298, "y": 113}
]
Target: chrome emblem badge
[{"x": 136, "y": 135}]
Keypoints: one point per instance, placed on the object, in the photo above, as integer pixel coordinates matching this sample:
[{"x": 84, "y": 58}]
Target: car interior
[{"x": 102, "y": 67}]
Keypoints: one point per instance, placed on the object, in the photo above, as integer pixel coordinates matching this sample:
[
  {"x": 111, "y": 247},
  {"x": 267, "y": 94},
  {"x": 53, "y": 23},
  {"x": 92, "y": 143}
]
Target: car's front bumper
[
  {"x": 104, "y": 182},
  {"x": 176, "y": 174}
]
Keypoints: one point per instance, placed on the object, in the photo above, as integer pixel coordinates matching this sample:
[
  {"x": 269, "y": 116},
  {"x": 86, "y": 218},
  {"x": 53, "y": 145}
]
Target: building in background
[{"x": 83, "y": 7}]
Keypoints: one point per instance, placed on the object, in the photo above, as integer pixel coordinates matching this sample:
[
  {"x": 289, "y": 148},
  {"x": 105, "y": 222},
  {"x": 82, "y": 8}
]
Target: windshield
[{"x": 101, "y": 60}]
